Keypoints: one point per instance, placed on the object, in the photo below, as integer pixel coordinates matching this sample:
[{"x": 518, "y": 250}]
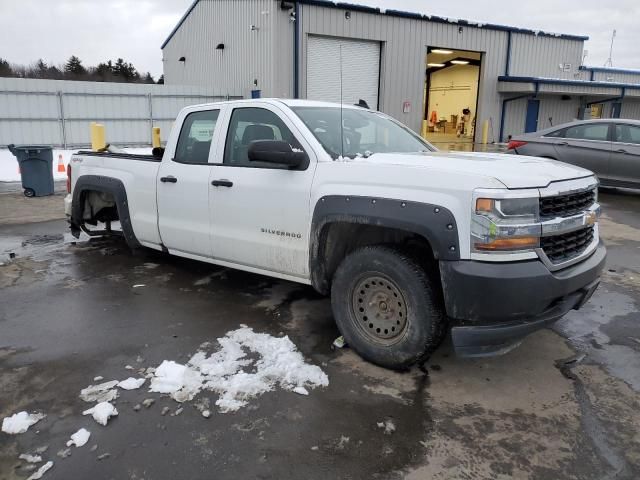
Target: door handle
[
  {"x": 169, "y": 179},
  {"x": 222, "y": 183},
  {"x": 622, "y": 150}
]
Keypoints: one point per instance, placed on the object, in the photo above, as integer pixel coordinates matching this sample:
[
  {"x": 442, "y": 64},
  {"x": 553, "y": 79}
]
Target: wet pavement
[{"x": 565, "y": 404}]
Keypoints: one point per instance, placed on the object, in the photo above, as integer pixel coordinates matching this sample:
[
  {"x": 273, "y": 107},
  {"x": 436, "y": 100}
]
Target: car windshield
[{"x": 364, "y": 132}]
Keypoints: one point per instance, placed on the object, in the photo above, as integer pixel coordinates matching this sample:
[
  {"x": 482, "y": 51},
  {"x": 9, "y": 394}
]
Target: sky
[{"x": 98, "y": 30}]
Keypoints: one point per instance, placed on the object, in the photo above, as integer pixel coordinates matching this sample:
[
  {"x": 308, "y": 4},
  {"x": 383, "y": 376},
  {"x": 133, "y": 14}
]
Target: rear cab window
[{"x": 195, "y": 137}]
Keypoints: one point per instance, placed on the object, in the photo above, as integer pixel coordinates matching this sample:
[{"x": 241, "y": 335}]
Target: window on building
[
  {"x": 195, "y": 138},
  {"x": 590, "y": 131},
  {"x": 627, "y": 134}
]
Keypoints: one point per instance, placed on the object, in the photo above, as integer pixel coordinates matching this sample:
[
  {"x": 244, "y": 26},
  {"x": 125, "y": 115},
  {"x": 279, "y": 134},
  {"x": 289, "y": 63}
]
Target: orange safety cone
[{"x": 61, "y": 168}]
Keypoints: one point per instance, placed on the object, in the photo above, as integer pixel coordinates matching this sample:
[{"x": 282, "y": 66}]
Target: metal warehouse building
[{"x": 443, "y": 76}]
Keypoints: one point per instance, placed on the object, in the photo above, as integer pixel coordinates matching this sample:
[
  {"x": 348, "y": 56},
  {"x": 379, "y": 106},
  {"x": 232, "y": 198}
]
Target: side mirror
[{"x": 277, "y": 152}]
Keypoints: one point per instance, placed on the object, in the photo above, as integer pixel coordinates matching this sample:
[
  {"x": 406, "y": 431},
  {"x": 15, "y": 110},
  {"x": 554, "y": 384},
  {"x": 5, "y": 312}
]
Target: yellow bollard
[
  {"x": 485, "y": 132},
  {"x": 98, "y": 139},
  {"x": 155, "y": 137},
  {"x": 425, "y": 125}
]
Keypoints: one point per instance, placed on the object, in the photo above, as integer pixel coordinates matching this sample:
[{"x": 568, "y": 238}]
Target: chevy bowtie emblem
[{"x": 590, "y": 218}]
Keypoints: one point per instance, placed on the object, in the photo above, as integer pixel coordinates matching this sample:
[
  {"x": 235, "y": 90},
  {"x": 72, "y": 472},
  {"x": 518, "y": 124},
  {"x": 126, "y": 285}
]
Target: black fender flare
[
  {"x": 109, "y": 185},
  {"x": 433, "y": 222}
]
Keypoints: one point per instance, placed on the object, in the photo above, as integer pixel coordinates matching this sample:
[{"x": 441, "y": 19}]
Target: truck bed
[{"x": 124, "y": 156}]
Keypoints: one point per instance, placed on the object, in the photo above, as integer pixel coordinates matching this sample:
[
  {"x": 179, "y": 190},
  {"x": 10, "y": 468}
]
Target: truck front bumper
[{"x": 494, "y": 305}]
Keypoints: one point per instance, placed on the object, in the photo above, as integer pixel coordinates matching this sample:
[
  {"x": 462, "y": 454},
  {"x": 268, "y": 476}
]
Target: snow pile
[
  {"x": 131, "y": 383},
  {"x": 20, "y": 422},
  {"x": 41, "y": 471},
  {"x": 104, "y": 392},
  {"x": 80, "y": 438},
  {"x": 30, "y": 458},
  {"x": 388, "y": 426},
  {"x": 236, "y": 374},
  {"x": 102, "y": 412}
]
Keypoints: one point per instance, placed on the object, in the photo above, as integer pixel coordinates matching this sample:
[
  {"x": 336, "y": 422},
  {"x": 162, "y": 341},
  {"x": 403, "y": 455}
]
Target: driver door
[{"x": 260, "y": 212}]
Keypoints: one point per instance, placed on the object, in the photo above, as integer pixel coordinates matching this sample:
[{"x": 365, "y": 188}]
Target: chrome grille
[
  {"x": 566, "y": 205},
  {"x": 561, "y": 248}
]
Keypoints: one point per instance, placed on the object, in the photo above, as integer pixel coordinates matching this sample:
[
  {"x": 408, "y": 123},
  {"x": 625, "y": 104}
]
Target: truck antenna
[{"x": 341, "y": 117}]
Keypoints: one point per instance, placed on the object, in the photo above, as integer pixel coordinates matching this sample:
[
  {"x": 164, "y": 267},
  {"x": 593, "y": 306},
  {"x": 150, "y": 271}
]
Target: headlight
[{"x": 505, "y": 224}]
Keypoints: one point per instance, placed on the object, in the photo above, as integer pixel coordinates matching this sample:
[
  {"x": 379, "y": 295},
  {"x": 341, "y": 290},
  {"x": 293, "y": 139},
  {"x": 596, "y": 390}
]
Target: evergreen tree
[
  {"x": 74, "y": 67},
  {"x": 5, "y": 69},
  {"x": 161, "y": 80},
  {"x": 148, "y": 78}
]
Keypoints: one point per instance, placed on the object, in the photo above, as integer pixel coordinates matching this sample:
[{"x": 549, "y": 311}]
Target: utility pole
[{"x": 609, "y": 63}]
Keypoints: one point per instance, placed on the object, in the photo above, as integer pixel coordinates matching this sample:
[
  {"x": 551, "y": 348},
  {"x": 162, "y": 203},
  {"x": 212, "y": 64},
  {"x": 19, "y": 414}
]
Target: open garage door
[{"x": 360, "y": 70}]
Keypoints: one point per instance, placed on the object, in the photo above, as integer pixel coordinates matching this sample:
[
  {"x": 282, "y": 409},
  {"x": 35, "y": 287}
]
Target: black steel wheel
[
  {"x": 386, "y": 307},
  {"x": 29, "y": 192}
]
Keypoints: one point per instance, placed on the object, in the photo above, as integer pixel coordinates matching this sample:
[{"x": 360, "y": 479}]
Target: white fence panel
[{"x": 58, "y": 113}]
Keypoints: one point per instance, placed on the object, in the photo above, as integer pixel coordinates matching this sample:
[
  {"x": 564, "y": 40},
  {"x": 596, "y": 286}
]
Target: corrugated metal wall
[
  {"x": 630, "y": 109},
  {"x": 558, "y": 110},
  {"x": 54, "y": 112},
  {"x": 263, "y": 55},
  {"x": 539, "y": 56},
  {"x": 515, "y": 112},
  {"x": 613, "y": 76}
]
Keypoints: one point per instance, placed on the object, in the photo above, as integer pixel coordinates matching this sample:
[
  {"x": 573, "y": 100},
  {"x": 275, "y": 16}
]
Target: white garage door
[{"x": 360, "y": 70}]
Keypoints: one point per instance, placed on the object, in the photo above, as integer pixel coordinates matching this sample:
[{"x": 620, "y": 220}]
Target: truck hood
[{"x": 514, "y": 171}]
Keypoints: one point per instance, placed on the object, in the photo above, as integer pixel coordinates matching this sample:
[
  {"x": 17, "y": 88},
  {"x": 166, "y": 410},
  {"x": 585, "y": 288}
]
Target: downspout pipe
[
  {"x": 504, "y": 110},
  {"x": 296, "y": 51},
  {"x": 507, "y": 64}
]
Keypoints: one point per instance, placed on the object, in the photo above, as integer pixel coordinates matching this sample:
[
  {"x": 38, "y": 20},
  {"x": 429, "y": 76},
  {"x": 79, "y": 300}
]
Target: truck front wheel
[{"x": 386, "y": 307}]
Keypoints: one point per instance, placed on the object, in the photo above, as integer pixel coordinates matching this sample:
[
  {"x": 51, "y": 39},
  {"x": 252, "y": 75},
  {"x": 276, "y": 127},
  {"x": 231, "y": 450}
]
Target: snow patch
[
  {"x": 20, "y": 422},
  {"x": 30, "y": 458},
  {"x": 103, "y": 392},
  {"x": 41, "y": 471},
  {"x": 131, "y": 383},
  {"x": 80, "y": 438},
  {"x": 102, "y": 412},
  {"x": 388, "y": 426},
  {"x": 236, "y": 377}
]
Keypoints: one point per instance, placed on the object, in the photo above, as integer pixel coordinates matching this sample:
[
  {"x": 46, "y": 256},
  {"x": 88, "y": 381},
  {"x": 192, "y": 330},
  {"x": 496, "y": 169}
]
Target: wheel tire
[
  {"x": 378, "y": 288},
  {"x": 29, "y": 192}
]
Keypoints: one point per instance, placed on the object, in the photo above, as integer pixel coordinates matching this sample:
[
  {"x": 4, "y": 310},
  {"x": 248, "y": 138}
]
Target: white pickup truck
[{"x": 408, "y": 241}]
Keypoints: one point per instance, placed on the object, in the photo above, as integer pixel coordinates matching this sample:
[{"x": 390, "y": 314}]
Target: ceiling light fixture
[
  {"x": 435, "y": 64},
  {"x": 460, "y": 62},
  {"x": 441, "y": 51}
]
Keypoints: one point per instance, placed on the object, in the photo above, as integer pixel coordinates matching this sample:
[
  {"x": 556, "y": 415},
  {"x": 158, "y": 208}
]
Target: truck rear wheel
[{"x": 386, "y": 307}]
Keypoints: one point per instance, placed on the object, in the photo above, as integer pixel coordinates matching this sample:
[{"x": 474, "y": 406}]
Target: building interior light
[
  {"x": 460, "y": 62},
  {"x": 441, "y": 51},
  {"x": 435, "y": 64}
]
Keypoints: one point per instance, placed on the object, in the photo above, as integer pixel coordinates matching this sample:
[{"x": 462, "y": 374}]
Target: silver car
[{"x": 609, "y": 147}]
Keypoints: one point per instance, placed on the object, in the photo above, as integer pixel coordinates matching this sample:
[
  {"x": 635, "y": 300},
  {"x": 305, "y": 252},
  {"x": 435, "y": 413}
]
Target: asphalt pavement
[{"x": 564, "y": 404}]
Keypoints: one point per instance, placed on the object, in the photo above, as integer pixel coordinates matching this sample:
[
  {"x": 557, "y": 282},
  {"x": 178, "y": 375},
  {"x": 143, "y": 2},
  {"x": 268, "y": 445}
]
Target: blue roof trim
[
  {"x": 175, "y": 29},
  {"x": 610, "y": 69},
  {"x": 403, "y": 14},
  {"x": 561, "y": 81}
]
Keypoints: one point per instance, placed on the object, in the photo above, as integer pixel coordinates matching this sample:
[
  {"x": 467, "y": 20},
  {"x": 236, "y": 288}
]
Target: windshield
[{"x": 365, "y": 132}]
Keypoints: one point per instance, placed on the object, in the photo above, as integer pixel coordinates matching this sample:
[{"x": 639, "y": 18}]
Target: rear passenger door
[
  {"x": 587, "y": 145},
  {"x": 625, "y": 156},
  {"x": 183, "y": 186}
]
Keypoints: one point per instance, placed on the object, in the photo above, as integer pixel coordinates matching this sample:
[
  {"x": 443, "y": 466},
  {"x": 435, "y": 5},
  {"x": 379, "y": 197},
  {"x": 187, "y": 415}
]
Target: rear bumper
[{"x": 493, "y": 306}]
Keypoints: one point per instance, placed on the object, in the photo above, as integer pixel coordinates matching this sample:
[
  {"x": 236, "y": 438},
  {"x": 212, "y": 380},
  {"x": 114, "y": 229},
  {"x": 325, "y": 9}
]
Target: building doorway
[{"x": 451, "y": 97}]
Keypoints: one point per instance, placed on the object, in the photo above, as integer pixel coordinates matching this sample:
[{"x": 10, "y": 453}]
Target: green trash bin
[{"x": 36, "y": 169}]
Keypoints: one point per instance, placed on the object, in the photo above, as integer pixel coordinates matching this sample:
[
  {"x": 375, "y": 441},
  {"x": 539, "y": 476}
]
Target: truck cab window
[
  {"x": 248, "y": 125},
  {"x": 195, "y": 137}
]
